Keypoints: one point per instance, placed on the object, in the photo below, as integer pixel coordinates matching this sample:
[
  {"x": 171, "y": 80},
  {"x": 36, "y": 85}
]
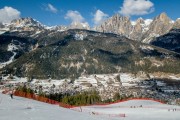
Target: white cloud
[
  {"x": 51, "y": 8},
  {"x": 7, "y": 14},
  {"x": 136, "y": 7},
  {"x": 99, "y": 16},
  {"x": 74, "y": 16}
]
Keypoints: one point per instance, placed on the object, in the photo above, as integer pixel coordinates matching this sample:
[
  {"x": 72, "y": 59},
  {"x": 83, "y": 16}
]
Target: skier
[{"x": 11, "y": 94}]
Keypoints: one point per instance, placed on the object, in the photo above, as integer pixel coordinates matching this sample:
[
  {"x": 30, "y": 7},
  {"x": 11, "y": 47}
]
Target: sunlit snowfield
[
  {"x": 26, "y": 109},
  {"x": 136, "y": 110}
]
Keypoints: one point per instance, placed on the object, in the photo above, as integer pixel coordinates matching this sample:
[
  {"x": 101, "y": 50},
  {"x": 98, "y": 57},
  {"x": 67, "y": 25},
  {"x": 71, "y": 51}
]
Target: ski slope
[
  {"x": 26, "y": 109},
  {"x": 135, "y": 110}
]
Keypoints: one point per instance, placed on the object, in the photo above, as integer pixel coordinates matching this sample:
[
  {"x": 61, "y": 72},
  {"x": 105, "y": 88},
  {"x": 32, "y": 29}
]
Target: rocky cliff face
[
  {"x": 139, "y": 27},
  {"x": 25, "y": 24},
  {"x": 177, "y": 24},
  {"x": 144, "y": 30},
  {"x": 161, "y": 25},
  {"x": 141, "y": 30},
  {"x": 136, "y": 33},
  {"x": 117, "y": 24}
]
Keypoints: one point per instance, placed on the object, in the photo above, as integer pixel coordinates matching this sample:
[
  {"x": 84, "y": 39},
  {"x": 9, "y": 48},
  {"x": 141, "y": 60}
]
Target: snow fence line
[
  {"x": 50, "y": 101},
  {"x": 38, "y": 98}
]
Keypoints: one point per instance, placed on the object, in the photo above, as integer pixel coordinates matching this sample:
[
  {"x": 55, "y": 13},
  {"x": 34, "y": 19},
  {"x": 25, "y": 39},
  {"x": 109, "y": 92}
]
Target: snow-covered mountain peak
[
  {"x": 140, "y": 20},
  {"x": 56, "y": 28},
  {"x": 163, "y": 17},
  {"x": 148, "y": 21},
  {"x": 133, "y": 23},
  {"x": 79, "y": 25},
  {"x": 145, "y": 22},
  {"x": 177, "y": 24},
  {"x": 178, "y": 19},
  {"x": 80, "y": 36},
  {"x": 24, "y": 22}
]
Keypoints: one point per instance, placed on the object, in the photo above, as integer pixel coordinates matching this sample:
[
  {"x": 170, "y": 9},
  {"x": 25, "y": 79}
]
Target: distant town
[{"x": 108, "y": 86}]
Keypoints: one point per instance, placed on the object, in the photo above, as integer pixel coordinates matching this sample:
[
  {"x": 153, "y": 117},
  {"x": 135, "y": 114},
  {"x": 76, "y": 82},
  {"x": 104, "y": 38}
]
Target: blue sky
[{"x": 63, "y": 12}]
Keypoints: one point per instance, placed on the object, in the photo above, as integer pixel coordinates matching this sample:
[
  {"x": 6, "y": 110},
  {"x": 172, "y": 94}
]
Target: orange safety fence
[
  {"x": 39, "y": 98},
  {"x": 50, "y": 101},
  {"x": 35, "y": 97}
]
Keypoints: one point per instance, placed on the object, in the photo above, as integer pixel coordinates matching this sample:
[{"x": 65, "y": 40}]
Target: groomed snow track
[{"x": 132, "y": 109}]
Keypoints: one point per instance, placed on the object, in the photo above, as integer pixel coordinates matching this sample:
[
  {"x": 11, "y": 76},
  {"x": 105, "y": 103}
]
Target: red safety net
[{"x": 50, "y": 101}]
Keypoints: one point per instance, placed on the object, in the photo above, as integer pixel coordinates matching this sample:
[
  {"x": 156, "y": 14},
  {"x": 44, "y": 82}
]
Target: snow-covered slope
[
  {"x": 26, "y": 109},
  {"x": 136, "y": 110}
]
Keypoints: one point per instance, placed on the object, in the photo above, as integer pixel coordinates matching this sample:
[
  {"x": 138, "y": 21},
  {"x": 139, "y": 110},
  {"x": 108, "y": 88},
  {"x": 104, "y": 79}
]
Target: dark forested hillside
[
  {"x": 72, "y": 53},
  {"x": 170, "y": 41}
]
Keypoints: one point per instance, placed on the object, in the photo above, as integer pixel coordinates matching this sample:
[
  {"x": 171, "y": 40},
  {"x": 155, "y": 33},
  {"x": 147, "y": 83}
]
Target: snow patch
[
  {"x": 80, "y": 36},
  {"x": 15, "y": 79},
  {"x": 85, "y": 25},
  {"x": 96, "y": 79},
  {"x": 128, "y": 77},
  {"x": 150, "y": 38},
  {"x": 12, "y": 47},
  {"x": 9, "y": 61},
  {"x": 2, "y": 32},
  {"x": 133, "y": 23},
  {"x": 175, "y": 77},
  {"x": 172, "y": 21},
  {"x": 48, "y": 82},
  {"x": 148, "y": 48},
  {"x": 148, "y": 22}
]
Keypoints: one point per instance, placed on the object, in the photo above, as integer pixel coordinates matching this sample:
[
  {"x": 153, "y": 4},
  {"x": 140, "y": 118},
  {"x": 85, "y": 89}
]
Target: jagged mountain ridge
[
  {"x": 72, "y": 53},
  {"x": 161, "y": 25},
  {"x": 117, "y": 24},
  {"x": 141, "y": 30},
  {"x": 31, "y": 25}
]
